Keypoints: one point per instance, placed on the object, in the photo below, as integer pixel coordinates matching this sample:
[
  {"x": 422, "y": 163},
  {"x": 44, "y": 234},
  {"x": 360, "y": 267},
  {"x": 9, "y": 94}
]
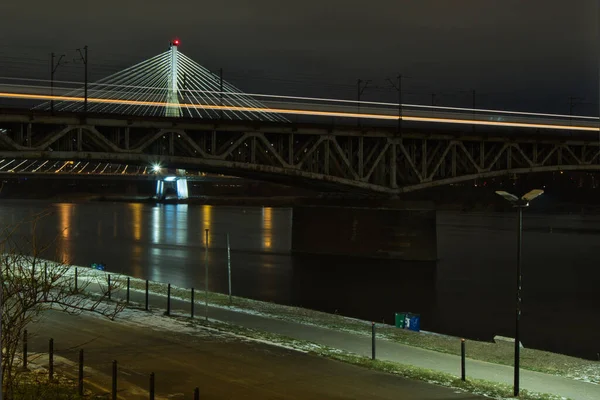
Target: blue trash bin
[{"x": 412, "y": 322}]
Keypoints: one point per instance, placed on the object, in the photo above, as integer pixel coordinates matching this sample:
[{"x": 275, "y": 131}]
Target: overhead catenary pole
[
  {"x": 399, "y": 103},
  {"x": 474, "y": 95},
  {"x": 360, "y": 89},
  {"x": 85, "y": 48},
  {"x": 84, "y": 58},
  {"x": 52, "y": 82},
  {"x": 53, "y": 68},
  {"x": 398, "y": 87}
]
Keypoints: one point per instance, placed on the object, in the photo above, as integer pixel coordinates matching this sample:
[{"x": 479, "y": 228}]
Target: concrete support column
[
  {"x": 160, "y": 189},
  {"x": 182, "y": 188},
  {"x": 181, "y": 184}
]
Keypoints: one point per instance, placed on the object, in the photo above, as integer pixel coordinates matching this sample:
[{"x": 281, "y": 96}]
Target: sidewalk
[{"x": 386, "y": 350}]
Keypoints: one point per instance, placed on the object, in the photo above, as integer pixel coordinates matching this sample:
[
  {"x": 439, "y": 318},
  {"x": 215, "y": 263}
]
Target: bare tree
[{"x": 31, "y": 285}]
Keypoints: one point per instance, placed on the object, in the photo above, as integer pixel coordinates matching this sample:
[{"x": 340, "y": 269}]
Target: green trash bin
[{"x": 400, "y": 320}]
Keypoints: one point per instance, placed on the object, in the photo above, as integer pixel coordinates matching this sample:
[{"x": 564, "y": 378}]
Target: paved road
[
  {"x": 221, "y": 366},
  {"x": 391, "y": 351}
]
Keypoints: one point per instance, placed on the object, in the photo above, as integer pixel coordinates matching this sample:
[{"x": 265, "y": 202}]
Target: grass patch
[
  {"x": 34, "y": 385},
  {"x": 475, "y": 386},
  {"x": 535, "y": 360}
]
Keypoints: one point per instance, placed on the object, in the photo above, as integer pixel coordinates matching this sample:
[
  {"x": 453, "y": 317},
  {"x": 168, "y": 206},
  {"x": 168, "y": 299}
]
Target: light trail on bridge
[
  {"x": 354, "y": 103},
  {"x": 340, "y": 114}
]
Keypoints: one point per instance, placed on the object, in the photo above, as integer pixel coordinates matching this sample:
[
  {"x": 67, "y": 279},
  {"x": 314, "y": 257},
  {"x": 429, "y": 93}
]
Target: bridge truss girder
[{"x": 370, "y": 160}]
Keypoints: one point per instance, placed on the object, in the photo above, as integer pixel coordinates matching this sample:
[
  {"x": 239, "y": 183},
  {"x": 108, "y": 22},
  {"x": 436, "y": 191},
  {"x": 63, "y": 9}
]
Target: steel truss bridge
[
  {"x": 345, "y": 157},
  {"x": 170, "y": 111}
]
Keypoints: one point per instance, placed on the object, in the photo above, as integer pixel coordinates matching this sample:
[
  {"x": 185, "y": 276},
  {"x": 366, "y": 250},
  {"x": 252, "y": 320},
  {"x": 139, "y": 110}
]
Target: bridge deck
[{"x": 369, "y": 157}]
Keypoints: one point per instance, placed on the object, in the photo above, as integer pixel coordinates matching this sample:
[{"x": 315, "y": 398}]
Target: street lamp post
[
  {"x": 84, "y": 58},
  {"x": 519, "y": 204},
  {"x": 1, "y": 315}
]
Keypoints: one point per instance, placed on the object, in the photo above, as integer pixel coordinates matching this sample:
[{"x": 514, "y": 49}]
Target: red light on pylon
[{"x": 176, "y": 42}]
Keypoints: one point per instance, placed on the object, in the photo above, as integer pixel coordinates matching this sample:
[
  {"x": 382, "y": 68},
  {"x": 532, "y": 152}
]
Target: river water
[{"x": 469, "y": 292}]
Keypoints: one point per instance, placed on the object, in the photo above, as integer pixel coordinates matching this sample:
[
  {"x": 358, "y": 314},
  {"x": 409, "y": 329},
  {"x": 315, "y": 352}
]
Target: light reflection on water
[
  {"x": 206, "y": 218},
  {"x": 267, "y": 226},
  {"x": 469, "y": 294},
  {"x": 136, "y": 217},
  {"x": 65, "y": 212}
]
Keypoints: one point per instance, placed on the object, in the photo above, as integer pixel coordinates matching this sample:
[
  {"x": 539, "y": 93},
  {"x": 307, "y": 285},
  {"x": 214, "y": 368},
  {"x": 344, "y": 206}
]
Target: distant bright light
[
  {"x": 156, "y": 167},
  {"x": 170, "y": 178}
]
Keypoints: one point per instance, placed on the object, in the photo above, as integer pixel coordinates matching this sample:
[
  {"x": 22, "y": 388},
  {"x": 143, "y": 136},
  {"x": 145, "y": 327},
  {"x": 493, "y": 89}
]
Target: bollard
[
  {"x": 192, "y": 305},
  {"x": 169, "y": 299},
  {"x": 206, "y": 276},
  {"x": 152, "y": 386},
  {"x": 146, "y": 294},
  {"x": 229, "y": 267},
  {"x": 373, "y": 340},
  {"x": 128, "y": 284},
  {"x": 114, "y": 380},
  {"x": 25, "y": 349},
  {"x": 50, "y": 359},
  {"x": 75, "y": 279},
  {"x": 80, "y": 378},
  {"x": 197, "y": 394},
  {"x": 109, "y": 286},
  {"x": 463, "y": 375}
]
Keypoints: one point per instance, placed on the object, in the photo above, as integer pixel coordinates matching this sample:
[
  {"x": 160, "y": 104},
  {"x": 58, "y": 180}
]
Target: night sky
[{"x": 525, "y": 54}]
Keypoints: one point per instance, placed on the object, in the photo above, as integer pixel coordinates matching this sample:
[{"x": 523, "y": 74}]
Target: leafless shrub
[{"x": 31, "y": 285}]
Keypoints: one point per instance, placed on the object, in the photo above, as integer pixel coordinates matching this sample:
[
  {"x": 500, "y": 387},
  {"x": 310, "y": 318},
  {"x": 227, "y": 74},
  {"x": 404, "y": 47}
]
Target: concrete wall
[{"x": 406, "y": 234}]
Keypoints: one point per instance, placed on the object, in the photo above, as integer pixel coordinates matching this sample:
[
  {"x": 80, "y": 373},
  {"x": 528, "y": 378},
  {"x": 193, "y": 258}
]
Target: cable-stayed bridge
[
  {"x": 170, "y": 111},
  {"x": 163, "y": 85}
]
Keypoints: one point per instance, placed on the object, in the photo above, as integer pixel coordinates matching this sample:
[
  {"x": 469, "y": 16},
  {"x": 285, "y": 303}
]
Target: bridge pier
[
  {"x": 366, "y": 228},
  {"x": 160, "y": 189},
  {"x": 179, "y": 181},
  {"x": 182, "y": 189}
]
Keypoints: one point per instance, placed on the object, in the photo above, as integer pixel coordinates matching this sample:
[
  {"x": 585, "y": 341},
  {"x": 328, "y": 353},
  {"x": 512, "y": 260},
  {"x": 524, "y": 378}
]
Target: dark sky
[{"x": 526, "y": 54}]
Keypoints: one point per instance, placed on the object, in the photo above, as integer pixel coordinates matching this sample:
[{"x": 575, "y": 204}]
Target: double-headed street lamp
[{"x": 520, "y": 204}]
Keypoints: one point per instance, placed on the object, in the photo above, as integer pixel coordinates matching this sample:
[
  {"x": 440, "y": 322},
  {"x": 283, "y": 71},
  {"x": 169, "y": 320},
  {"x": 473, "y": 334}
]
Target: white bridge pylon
[{"x": 172, "y": 85}]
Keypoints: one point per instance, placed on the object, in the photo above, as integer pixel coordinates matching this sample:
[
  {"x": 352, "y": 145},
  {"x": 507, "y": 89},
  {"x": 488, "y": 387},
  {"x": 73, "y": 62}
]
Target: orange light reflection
[
  {"x": 206, "y": 223},
  {"x": 65, "y": 213},
  {"x": 267, "y": 225},
  {"x": 136, "y": 210}
]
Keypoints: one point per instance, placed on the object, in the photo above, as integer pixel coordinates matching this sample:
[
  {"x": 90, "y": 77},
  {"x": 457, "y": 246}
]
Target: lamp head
[
  {"x": 524, "y": 200},
  {"x": 507, "y": 196}
]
